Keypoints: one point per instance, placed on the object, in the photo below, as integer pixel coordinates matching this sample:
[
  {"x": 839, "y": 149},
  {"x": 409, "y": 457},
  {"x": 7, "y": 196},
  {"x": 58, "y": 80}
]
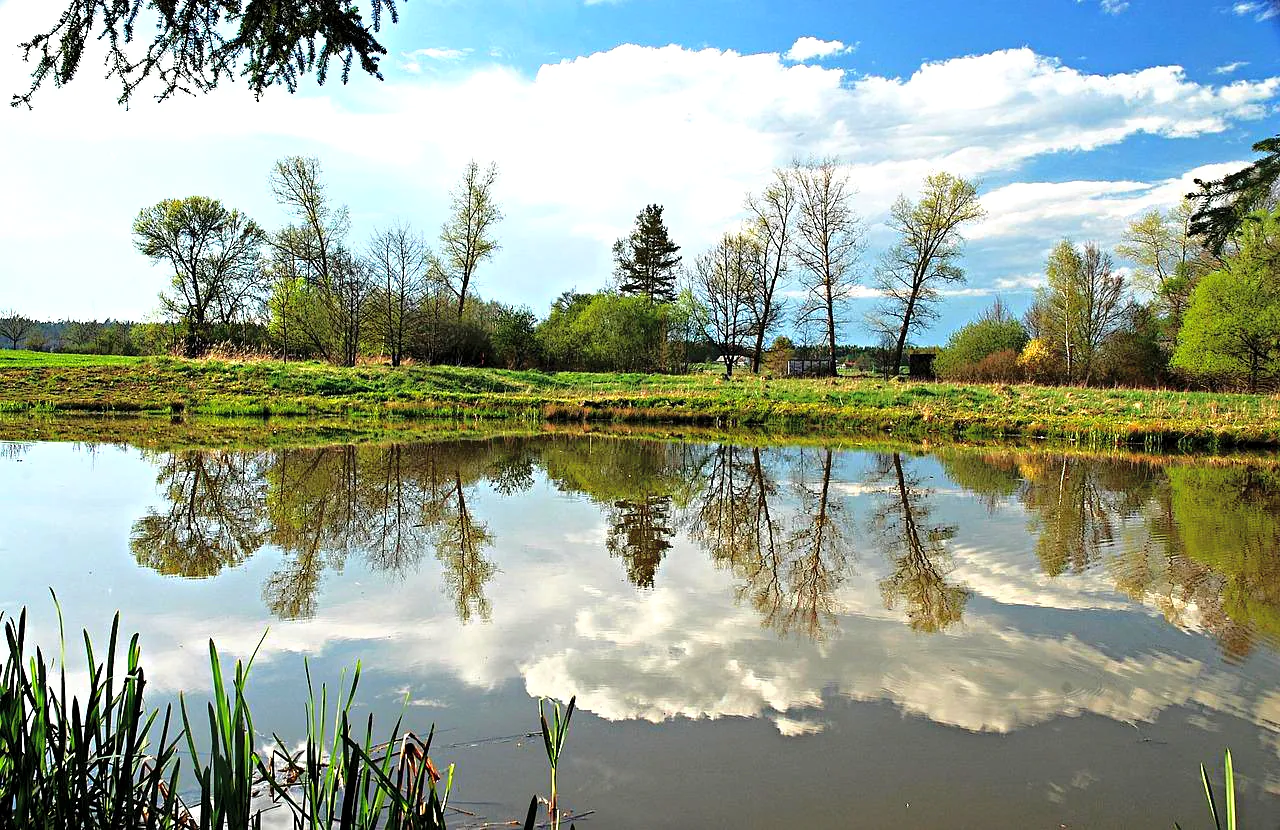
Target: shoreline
[{"x": 381, "y": 399}]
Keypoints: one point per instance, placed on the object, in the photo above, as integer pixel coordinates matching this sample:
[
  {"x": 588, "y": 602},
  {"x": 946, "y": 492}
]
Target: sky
[{"x": 1075, "y": 116}]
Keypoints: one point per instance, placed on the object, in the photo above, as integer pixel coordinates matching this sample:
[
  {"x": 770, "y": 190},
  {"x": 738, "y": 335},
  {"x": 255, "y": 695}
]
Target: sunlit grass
[{"x": 1152, "y": 419}]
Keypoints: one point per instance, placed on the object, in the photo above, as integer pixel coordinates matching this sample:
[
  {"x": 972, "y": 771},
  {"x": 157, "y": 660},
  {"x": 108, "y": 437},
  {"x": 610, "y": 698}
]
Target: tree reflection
[
  {"x": 917, "y": 551},
  {"x": 389, "y": 505},
  {"x": 214, "y": 517},
  {"x": 460, "y": 545},
  {"x": 818, "y": 550},
  {"x": 638, "y": 483},
  {"x": 1198, "y": 540},
  {"x": 790, "y": 559}
]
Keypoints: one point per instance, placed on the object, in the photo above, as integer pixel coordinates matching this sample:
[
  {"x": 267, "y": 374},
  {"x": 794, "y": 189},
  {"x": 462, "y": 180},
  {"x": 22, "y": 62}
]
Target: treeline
[
  {"x": 109, "y": 337},
  {"x": 1201, "y": 307},
  {"x": 1188, "y": 314},
  {"x": 307, "y": 290}
]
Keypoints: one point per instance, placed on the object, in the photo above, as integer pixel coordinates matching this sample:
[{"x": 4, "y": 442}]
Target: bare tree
[
  {"x": 465, "y": 240},
  {"x": 399, "y": 260},
  {"x": 330, "y": 313},
  {"x": 321, "y": 227},
  {"x": 722, "y": 282},
  {"x": 924, "y": 258},
  {"x": 773, "y": 222},
  {"x": 829, "y": 236},
  {"x": 1084, "y": 303},
  {"x": 15, "y": 328}
]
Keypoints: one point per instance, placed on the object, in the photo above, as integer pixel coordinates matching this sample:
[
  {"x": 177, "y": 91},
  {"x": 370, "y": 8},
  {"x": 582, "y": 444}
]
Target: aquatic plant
[
  {"x": 90, "y": 761},
  {"x": 1221, "y": 820},
  {"x": 554, "y": 733}
]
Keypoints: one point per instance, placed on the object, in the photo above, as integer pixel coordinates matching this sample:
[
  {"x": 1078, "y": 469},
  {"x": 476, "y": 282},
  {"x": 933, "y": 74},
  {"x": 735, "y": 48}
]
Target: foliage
[
  {"x": 214, "y": 253},
  {"x": 1134, "y": 356},
  {"x": 1084, "y": 303},
  {"x": 606, "y": 331},
  {"x": 1222, "y": 205},
  {"x": 1038, "y": 361},
  {"x": 924, "y": 258},
  {"x": 515, "y": 339},
  {"x": 197, "y": 43},
  {"x": 779, "y": 356},
  {"x": 971, "y": 345},
  {"x": 1166, "y": 256},
  {"x": 1231, "y": 334},
  {"x": 466, "y": 238},
  {"x": 322, "y": 286},
  {"x": 645, "y": 262}
]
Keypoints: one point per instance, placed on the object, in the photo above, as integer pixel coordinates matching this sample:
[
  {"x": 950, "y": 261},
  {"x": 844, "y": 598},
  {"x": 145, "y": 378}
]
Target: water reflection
[
  {"x": 982, "y": 591},
  {"x": 917, "y": 551},
  {"x": 1201, "y": 543}
]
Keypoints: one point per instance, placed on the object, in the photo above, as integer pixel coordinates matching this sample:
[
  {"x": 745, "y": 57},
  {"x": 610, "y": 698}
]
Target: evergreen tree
[{"x": 646, "y": 261}]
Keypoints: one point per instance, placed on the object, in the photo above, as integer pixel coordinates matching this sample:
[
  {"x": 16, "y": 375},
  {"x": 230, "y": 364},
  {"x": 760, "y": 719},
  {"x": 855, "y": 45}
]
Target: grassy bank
[{"x": 37, "y": 383}]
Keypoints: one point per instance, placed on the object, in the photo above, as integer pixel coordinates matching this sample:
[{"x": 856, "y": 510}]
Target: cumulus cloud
[
  {"x": 1096, "y": 210},
  {"x": 811, "y": 48},
  {"x": 1114, "y": 6},
  {"x": 580, "y": 144}
]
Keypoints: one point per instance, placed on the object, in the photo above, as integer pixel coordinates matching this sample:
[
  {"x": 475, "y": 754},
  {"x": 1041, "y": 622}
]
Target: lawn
[{"x": 32, "y": 382}]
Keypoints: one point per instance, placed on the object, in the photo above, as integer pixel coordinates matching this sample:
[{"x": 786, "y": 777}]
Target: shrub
[{"x": 969, "y": 347}]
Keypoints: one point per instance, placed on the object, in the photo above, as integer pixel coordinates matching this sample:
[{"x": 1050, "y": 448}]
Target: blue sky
[{"x": 1075, "y": 117}]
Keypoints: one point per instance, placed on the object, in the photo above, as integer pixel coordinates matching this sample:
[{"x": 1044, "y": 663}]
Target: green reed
[
  {"x": 1225, "y": 820},
  {"x": 102, "y": 759},
  {"x": 554, "y": 733},
  {"x": 90, "y": 761}
]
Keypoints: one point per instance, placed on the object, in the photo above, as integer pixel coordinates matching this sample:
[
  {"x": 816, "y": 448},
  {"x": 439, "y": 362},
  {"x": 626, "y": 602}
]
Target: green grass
[
  {"x": 35, "y": 383},
  {"x": 22, "y": 358}
]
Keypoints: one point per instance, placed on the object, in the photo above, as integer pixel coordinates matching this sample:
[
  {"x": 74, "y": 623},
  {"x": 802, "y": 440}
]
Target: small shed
[
  {"x": 808, "y": 368},
  {"x": 920, "y": 365}
]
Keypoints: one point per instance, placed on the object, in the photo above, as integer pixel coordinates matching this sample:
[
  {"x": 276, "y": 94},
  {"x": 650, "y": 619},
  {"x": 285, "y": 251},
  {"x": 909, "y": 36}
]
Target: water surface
[{"x": 757, "y": 636}]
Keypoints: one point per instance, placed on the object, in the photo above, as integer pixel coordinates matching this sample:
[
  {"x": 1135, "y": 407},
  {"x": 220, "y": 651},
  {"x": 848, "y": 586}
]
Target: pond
[{"x": 757, "y": 636}]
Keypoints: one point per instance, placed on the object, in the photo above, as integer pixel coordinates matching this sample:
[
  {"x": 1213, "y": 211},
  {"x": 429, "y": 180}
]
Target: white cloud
[
  {"x": 808, "y": 48},
  {"x": 1114, "y": 6},
  {"x": 1096, "y": 210},
  {"x": 1259, "y": 9},
  {"x": 580, "y": 146},
  {"x": 1230, "y": 68},
  {"x": 412, "y": 61}
]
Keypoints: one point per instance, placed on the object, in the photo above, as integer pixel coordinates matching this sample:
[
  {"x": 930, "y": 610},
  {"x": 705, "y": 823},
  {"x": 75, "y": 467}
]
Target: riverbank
[{"x": 38, "y": 383}]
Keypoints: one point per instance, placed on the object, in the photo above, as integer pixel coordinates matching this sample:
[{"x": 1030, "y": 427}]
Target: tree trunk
[{"x": 831, "y": 333}]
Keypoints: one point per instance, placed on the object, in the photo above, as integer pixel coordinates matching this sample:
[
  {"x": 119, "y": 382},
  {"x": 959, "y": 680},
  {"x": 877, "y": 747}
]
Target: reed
[{"x": 102, "y": 759}]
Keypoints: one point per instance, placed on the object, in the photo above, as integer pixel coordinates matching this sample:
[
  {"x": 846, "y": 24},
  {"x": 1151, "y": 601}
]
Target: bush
[
  {"x": 966, "y": 354},
  {"x": 998, "y": 367},
  {"x": 1039, "y": 363}
]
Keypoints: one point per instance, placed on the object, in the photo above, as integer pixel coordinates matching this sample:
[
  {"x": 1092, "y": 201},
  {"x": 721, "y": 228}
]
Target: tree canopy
[
  {"x": 646, "y": 260},
  {"x": 1232, "y": 328},
  {"x": 198, "y": 43},
  {"x": 1222, "y": 205}
]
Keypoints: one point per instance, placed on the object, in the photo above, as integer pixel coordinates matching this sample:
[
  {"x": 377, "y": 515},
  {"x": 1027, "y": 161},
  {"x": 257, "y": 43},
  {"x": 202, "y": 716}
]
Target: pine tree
[{"x": 646, "y": 261}]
